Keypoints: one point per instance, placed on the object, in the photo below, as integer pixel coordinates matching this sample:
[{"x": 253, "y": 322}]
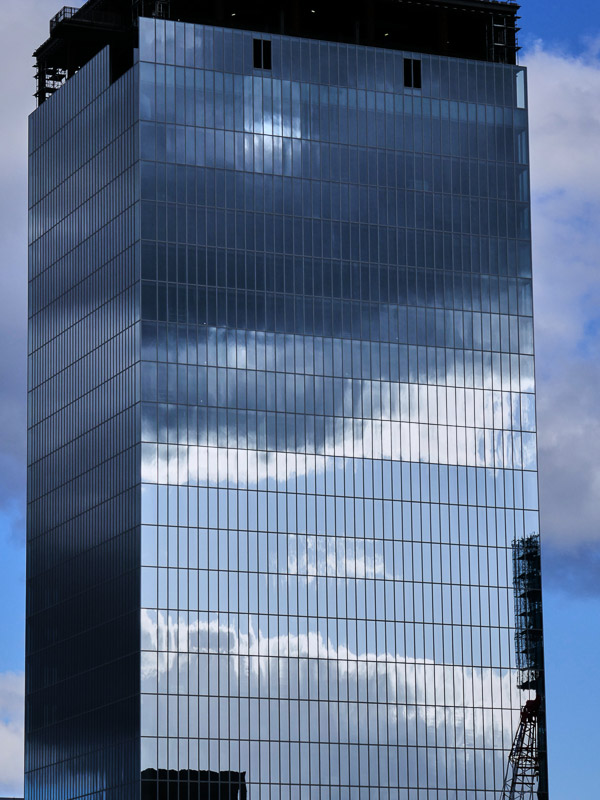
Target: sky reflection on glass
[{"x": 337, "y": 452}]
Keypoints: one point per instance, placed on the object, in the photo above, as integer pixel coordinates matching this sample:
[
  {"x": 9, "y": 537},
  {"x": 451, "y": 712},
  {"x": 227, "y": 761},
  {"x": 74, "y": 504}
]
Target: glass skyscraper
[{"x": 281, "y": 411}]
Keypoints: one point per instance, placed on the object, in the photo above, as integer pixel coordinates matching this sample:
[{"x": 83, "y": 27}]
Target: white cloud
[
  {"x": 564, "y": 119},
  {"x": 249, "y": 658},
  {"x": 23, "y": 27},
  {"x": 564, "y": 96},
  {"x": 12, "y": 692}
]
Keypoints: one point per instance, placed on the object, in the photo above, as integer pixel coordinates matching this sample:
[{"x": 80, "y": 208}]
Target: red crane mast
[{"x": 522, "y": 773}]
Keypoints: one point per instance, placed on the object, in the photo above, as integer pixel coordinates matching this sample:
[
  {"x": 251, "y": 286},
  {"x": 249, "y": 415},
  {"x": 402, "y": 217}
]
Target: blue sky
[
  {"x": 561, "y": 47},
  {"x": 559, "y": 24}
]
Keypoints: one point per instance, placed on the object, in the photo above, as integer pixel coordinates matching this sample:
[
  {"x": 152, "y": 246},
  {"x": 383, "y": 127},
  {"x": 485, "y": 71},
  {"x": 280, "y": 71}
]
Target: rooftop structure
[{"x": 485, "y": 30}]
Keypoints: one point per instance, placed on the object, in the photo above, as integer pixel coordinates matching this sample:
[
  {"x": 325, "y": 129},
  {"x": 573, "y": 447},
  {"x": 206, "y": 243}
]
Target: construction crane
[{"x": 523, "y": 771}]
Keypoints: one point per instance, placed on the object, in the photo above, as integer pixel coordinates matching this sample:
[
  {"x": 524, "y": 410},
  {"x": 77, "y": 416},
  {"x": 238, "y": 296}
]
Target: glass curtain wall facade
[
  {"x": 338, "y": 442},
  {"x": 82, "y": 667},
  {"x": 323, "y": 325}
]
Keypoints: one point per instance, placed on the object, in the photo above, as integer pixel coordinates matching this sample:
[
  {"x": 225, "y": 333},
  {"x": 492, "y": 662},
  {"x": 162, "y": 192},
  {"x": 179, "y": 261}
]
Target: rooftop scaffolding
[
  {"x": 485, "y": 30},
  {"x": 528, "y": 611}
]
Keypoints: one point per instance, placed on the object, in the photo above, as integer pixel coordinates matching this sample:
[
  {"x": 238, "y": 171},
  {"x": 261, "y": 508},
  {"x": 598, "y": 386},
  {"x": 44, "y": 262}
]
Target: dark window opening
[
  {"x": 262, "y": 54},
  {"x": 266, "y": 54},
  {"x": 412, "y": 73},
  {"x": 258, "y": 53},
  {"x": 416, "y": 74}
]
